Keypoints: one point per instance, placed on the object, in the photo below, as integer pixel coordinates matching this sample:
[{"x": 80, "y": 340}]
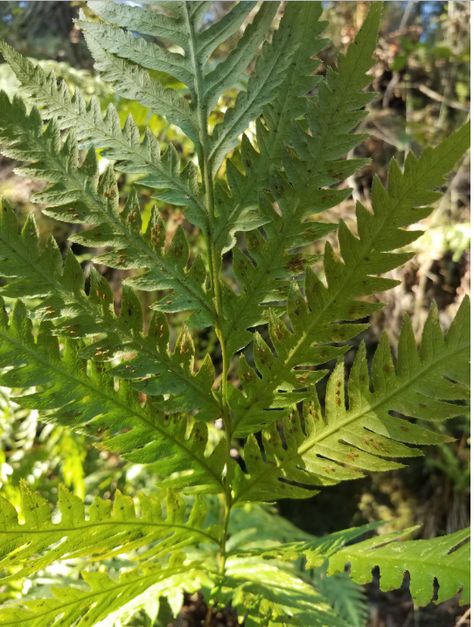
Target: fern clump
[{"x": 222, "y": 432}]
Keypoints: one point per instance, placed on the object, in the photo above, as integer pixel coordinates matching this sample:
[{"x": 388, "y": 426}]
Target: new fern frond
[{"x": 239, "y": 421}]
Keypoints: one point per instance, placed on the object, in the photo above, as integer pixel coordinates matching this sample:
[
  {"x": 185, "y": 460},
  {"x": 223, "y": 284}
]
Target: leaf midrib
[{"x": 58, "y": 530}]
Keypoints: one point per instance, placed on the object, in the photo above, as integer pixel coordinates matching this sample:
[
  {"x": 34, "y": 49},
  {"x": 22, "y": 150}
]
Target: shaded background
[{"x": 421, "y": 85}]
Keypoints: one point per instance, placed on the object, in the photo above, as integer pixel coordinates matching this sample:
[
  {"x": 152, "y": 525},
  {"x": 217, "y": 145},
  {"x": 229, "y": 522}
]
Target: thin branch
[{"x": 439, "y": 98}]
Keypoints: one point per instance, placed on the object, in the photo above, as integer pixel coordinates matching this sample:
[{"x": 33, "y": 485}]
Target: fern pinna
[{"x": 226, "y": 431}]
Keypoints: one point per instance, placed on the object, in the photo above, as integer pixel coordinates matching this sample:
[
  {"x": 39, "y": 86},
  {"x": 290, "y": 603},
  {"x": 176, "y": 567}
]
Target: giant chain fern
[{"x": 243, "y": 424}]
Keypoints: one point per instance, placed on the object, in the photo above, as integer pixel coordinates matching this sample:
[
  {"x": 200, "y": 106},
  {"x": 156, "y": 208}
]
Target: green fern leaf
[
  {"x": 445, "y": 558},
  {"x": 231, "y": 71},
  {"x": 164, "y": 173},
  {"x": 86, "y": 356},
  {"x": 145, "y": 19},
  {"x": 139, "y": 51},
  {"x": 277, "y": 170},
  {"x": 96, "y": 598},
  {"x": 71, "y": 392},
  {"x": 172, "y": 27},
  {"x": 285, "y": 549},
  {"x": 112, "y": 528},
  {"x": 346, "y": 597},
  {"x": 183, "y": 24},
  {"x": 251, "y": 522},
  {"x": 36, "y": 272},
  {"x": 270, "y": 71},
  {"x": 358, "y": 434},
  {"x": 328, "y": 314},
  {"x": 269, "y": 595},
  {"x": 124, "y": 59},
  {"x": 238, "y": 201},
  {"x": 134, "y": 83},
  {"x": 79, "y": 195}
]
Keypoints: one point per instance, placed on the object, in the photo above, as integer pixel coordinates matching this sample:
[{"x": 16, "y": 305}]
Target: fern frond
[
  {"x": 328, "y": 313},
  {"x": 162, "y": 172},
  {"x": 357, "y": 432},
  {"x": 231, "y": 71},
  {"x": 287, "y": 543},
  {"x": 144, "y": 19},
  {"x": 111, "y": 528},
  {"x": 303, "y": 186},
  {"x": 82, "y": 396},
  {"x": 270, "y": 71},
  {"x": 79, "y": 195},
  {"x": 96, "y": 598},
  {"x": 346, "y": 597},
  {"x": 242, "y": 193},
  {"x": 178, "y": 23},
  {"x": 260, "y": 533},
  {"x": 140, "y": 51},
  {"x": 268, "y": 594},
  {"x": 445, "y": 558},
  {"x": 124, "y": 59},
  {"x": 134, "y": 83},
  {"x": 89, "y": 359},
  {"x": 171, "y": 27},
  {"x": 111, "y": 45},
  {"x": 35, "y": 271}
]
